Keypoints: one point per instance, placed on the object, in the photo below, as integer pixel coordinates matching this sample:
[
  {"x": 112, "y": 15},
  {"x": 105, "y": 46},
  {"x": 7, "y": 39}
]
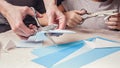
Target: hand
[
  {"x": 114, "y": 22},
  {"x": 15, "y": 16},
  {"x": 74, "y": 17},
  {"x": 55, "y": 16}
]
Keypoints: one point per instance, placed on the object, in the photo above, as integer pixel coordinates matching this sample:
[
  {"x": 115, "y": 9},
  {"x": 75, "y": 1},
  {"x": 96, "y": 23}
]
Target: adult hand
[
  {"x": 15, "y": 16},
  {"x": 114, "y": 22},
  {"x": 74, "y": 17},
  {"x": 55, "y": 16}
]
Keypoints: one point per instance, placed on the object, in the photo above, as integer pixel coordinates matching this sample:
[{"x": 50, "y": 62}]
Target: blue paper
[
  {"x": 42, "y": 51},
  {"x": 53, "y": 58},
  {"x": 51, "y": 55},
  {"x": 87, "y": 58}
]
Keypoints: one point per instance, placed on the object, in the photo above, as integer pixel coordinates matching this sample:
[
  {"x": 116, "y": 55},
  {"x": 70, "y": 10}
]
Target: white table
[{"x": 21, "y": 57}]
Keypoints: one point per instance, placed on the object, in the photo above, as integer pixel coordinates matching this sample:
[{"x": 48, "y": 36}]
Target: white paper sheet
[
  {"x": 100, "y": 43},
  {"x": 22, "y": 44}
]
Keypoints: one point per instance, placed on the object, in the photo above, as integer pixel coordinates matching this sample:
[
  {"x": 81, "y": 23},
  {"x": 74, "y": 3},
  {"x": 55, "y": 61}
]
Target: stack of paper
[{"x": 75, "y": 54}]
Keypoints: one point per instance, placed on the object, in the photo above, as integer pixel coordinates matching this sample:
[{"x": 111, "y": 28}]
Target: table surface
[{"x": 21, "y": 57}]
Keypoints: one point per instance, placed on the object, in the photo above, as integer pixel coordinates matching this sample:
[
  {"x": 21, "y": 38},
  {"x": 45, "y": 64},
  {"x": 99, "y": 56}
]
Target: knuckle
[
  {"x": 19, "y": 25},
  {"x": 72, "y": 17},
  {"x": 14, "y": 29},
  {"x": 26, "y": 8}
]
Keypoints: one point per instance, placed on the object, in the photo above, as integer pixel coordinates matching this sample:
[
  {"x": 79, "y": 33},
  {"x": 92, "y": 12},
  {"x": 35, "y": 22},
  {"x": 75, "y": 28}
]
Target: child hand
[
  {"x": 74, "y": 17},
  {"x": 114, "y": 22}
]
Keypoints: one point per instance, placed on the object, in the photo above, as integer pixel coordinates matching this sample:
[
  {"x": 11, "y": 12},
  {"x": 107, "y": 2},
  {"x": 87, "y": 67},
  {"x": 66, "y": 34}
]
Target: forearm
[
  {"x": 44, "y": 19},
  {"x": 4, "y": 6},
  {"x": 48, "y": 3}
]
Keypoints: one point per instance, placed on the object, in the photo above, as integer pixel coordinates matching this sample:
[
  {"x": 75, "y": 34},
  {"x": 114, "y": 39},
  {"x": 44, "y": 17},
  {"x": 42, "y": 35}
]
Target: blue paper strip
[
  {"x": 87, "y": 58},
  {"x": 42, "y": 51},
  {"x": 51, "y": 55},
  {"x": 53, "y": 58}
]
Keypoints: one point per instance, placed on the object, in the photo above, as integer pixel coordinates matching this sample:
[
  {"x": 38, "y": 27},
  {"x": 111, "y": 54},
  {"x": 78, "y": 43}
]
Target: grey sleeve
[{"x": 68, "y": 5}]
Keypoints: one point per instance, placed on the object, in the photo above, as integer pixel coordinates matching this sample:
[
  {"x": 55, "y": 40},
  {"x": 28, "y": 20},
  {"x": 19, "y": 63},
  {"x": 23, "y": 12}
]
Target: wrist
[
  {"x": 49, "y": 3},
  {"x": 4, "y": 7}
]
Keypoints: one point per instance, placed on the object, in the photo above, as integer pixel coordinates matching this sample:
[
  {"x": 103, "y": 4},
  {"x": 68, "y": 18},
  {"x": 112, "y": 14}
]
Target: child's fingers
[
  {"x": 80, "y": 12},
  {"x": 111, "y": 23},
  {"x": 114, "y": 19}
]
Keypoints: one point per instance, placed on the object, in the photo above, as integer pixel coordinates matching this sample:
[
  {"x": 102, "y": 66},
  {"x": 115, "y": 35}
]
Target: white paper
[
  {"x": 100, "y": 43},
  {"x": 89, "y": 45},
  {"x": 25, "y": 44},
  {"x": 59, "y": 31},
  {"x": 22, "y": 44}
]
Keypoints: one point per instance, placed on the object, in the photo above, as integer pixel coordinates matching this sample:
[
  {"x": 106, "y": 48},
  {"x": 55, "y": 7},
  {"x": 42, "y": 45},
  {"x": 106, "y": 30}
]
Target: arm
[
  {"x": 55, "y": 16},
  {"x": 3, "y": 7},
  {"x": 44, "y": 20},
  {"x": 15, "y": 16}
]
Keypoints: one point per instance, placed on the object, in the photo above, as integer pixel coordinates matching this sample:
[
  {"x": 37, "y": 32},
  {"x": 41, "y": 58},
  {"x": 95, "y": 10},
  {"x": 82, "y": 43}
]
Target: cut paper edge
[
  {"x": 84, "y": 49},
  {"x": 100, "y": 43}
]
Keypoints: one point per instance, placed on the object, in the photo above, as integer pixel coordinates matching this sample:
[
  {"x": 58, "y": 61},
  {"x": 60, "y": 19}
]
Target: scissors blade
[
  {"x": 40, "y": 28},
  {"x": 105, "y": 13}
]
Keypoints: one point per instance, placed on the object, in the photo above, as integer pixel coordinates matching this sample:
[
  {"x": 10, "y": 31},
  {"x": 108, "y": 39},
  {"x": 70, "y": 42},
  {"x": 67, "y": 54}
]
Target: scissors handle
[{"x": 35, "y": 17}]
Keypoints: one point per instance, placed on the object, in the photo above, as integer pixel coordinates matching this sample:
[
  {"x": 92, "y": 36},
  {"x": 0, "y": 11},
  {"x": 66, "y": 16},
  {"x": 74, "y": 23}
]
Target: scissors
[
  {"x": 106, "y": 13},
  {"x": 40, "y": 28}
]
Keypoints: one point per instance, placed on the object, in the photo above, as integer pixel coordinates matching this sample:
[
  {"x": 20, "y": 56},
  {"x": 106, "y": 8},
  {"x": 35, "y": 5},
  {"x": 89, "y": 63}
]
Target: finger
[
  {"x": 79, "y": 19},
  {"x": 76, "y": 21},
  {"x": 27, "y": 31},
  {"x": 62, "y": 22},
  {"x": 114, "y": 19},
  {"x": 112, "y": 27},
  {"x": 111, "y": 23},
  {"x": 18, "y": 32},
  {"x": 117, "y": 15},
  {"x": 80, "y": 12},
  {"x": 51, "y": 18},
  {"x": 22, "y": 37},
  {"x": 31, "y": 26},
  {"x": 71, "y": 23}
]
